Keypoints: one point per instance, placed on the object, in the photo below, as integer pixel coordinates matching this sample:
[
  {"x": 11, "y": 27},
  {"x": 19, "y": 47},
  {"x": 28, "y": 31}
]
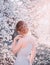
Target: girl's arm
[
  {"x": 16, "y": 46},
  {"x": 33, "y": 54}
]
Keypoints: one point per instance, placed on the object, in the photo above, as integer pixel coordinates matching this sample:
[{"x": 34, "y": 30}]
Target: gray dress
[{"x": 22, "y": 56}]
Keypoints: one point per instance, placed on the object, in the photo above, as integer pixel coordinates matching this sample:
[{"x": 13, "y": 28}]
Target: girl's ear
[{"x": 18, "y": 32}]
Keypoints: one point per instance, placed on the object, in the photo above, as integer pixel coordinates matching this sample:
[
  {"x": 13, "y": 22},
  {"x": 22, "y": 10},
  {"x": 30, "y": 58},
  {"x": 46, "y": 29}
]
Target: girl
[{"x": 25, "y": 47}]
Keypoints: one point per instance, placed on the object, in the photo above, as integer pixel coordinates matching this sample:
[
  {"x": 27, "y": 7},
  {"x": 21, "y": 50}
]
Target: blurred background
[{"x": 36, "y": 13}]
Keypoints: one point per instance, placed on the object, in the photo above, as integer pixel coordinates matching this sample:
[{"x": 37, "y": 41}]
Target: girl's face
[{"x": 21, "y": 33}]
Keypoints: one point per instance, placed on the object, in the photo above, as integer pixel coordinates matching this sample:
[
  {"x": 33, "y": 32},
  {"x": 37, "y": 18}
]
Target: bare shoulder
[
  {"x": 32, "y": 38},
  {"x": 34, "y": 41}
]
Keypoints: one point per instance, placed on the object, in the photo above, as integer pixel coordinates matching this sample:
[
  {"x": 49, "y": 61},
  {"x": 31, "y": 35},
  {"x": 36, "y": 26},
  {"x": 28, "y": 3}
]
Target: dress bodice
[
  {"x": 28, "y": 41},
  {"x": 25, "y": 51}
]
